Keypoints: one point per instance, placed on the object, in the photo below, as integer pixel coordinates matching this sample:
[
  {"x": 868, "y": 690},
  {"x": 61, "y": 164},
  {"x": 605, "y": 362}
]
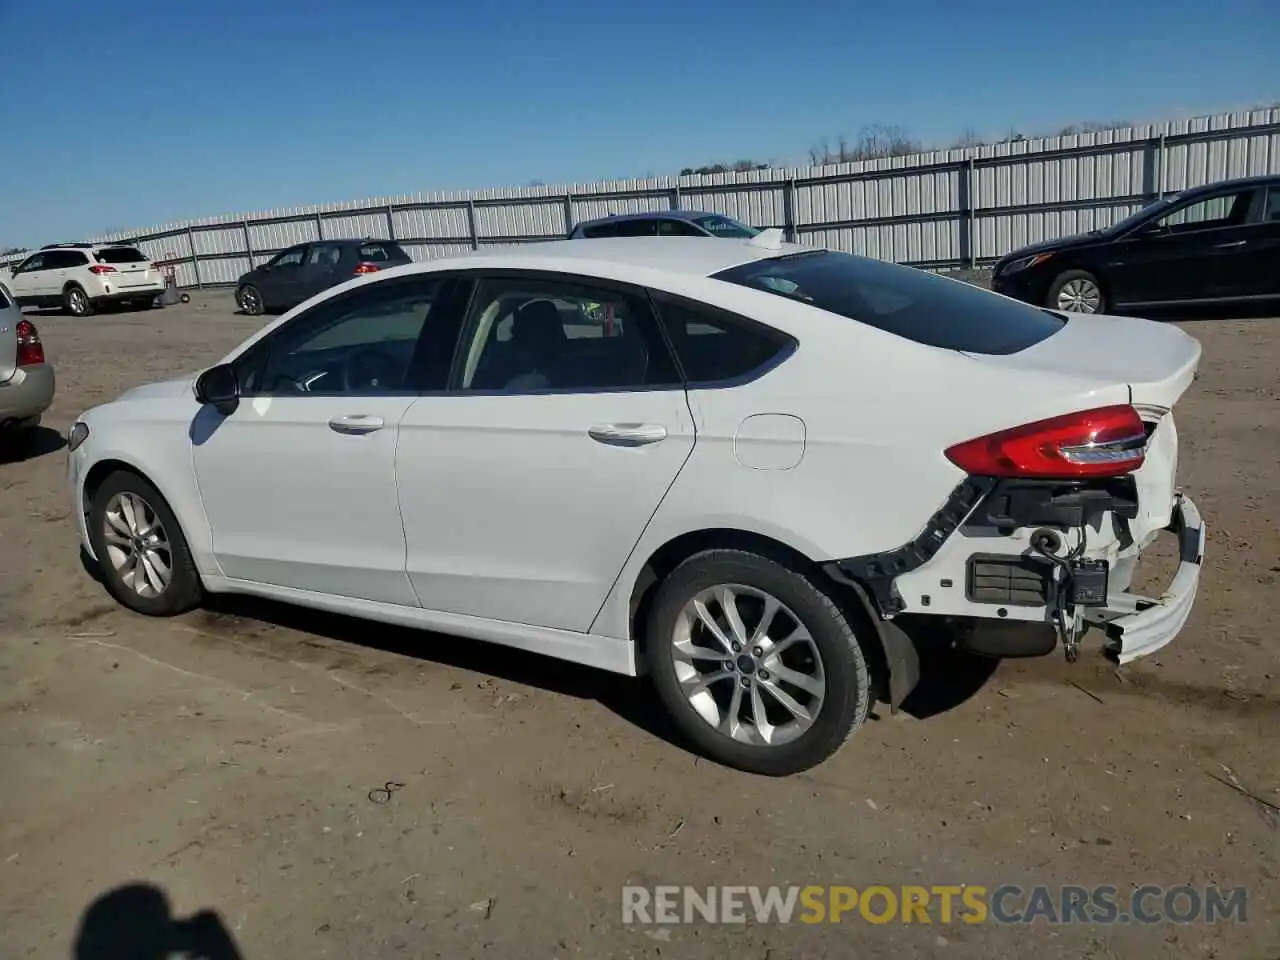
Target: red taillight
[
  {"x": 1106, "y": 442},
  {"x": 101, "y": 268},
  {"x": 367, "y": 268},
  {"x": 30, "y": 349}
]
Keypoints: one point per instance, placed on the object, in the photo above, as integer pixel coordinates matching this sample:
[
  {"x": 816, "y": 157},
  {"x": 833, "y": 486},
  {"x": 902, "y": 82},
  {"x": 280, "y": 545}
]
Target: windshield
[
  {"x": 719, "y": 226},
  {"x": 905, "y": 301},
  {"x": 1121, "y": 225}
]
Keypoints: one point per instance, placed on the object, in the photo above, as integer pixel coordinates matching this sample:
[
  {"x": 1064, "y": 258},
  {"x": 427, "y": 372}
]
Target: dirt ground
[{"x": 227, "y": 758}]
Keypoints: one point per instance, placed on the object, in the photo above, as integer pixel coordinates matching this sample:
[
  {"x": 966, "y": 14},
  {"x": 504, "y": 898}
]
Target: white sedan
[{"x": 739, "y": 467}]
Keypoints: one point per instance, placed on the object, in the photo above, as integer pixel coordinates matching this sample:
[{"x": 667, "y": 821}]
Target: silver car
[{"x": 26, "y": 378}]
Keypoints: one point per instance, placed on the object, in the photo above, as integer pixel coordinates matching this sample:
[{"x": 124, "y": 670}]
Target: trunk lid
[{"x": 1156, "y": 362}]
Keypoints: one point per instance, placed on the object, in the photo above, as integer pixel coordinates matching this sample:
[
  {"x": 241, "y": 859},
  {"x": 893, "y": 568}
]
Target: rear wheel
[
  {"x": 145, "y": 561},
  {"x": 1076, "y": 291},
  {"x": 77, "y": 302},
  {"x": 759, "y": 668},
  {"x": 249, "y": 299}
]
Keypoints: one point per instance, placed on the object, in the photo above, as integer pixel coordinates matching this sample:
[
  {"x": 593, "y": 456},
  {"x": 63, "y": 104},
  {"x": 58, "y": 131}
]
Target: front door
[
  {"x": 1177, "y": 257},
  {"x": 526, "y": 486},
  {"x": 299, "y": 483},
  {"x": 279, "y": 282},
  {"x": 31, "y": 280}
]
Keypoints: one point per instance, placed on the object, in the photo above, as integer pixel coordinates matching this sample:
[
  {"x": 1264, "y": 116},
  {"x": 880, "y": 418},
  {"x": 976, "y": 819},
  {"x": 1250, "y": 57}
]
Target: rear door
[
  {"x": 1251, "y": 256},
  {"x": 321, "y": 269},
  {"x": 63, "y": 267},
  {"x": 525, "y": 487},
  {"x": 133, "y": 267}
]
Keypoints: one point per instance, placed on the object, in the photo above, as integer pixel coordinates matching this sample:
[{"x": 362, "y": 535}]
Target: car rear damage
[{"x": 1049, "y": 522}]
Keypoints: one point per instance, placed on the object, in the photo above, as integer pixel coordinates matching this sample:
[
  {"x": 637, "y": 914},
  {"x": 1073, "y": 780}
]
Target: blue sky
[{"x": 130, "y": 115}]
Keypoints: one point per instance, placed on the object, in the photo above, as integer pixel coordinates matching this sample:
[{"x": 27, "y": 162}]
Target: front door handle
[
  {"x": 355, "y": 423},
  {"x": 1229, "y": 245},
  {"x": 628, "y": 434}
]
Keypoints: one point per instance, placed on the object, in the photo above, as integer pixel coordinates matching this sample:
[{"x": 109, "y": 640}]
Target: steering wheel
[{"x": 370, "y": 369}]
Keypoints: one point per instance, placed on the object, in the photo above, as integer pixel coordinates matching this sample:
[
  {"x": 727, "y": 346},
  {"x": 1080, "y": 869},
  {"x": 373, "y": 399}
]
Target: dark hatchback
[
  {"x": 1213, "y": 244},
  {"x": 300, "y": 272}
]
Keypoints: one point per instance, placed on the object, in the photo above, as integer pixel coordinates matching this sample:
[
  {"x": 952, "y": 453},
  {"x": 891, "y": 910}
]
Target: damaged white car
[{"x": 733, "y": 466}]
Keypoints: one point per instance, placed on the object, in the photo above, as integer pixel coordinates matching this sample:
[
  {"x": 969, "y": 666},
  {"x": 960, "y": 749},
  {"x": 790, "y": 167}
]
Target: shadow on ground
[
  {"x": 135, "y": 922},
  {"x": 949, "y": 677},
  {"x": 29, "y": 444}
]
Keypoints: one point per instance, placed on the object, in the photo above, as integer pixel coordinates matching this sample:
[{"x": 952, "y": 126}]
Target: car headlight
[
  {"x": 77, "y": 435},
  {"x": 1023, "y": 262}
]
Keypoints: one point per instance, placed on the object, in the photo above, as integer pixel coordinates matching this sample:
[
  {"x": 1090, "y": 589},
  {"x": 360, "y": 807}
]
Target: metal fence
[{"x": 949, "y": 208}]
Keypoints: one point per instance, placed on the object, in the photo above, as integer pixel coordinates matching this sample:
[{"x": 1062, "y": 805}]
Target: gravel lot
[{"x": 227, "y": 757}]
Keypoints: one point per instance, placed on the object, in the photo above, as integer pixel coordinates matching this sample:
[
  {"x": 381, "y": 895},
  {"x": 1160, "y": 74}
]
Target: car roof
[
  {"x": 687, "y": 256},
  {"x": 1264, "y": 180},
  {"x": 653, "y": 215}
]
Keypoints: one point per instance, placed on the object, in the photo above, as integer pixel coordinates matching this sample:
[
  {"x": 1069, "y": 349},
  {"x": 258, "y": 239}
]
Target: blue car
[{"x": 664, "y": 223}]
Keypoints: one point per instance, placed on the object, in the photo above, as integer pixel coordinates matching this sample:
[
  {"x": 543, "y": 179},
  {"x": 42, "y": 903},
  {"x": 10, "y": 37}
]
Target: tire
[
  {"x": 182, "y": 591},
  {"x": 1079, "y": 288},
  {"x": 830, "y": 659},
  {"x": 249, "y": 299},
  {"x": 76, "y": 301}
]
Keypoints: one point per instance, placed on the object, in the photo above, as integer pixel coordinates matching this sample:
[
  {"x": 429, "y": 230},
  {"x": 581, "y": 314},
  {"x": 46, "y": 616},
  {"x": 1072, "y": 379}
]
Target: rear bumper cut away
[{"x": 1136, "y": 625}]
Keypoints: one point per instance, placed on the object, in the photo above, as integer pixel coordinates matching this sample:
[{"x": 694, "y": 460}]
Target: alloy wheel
[
  {"x": 137, "y": 545},
  {"x": 1080, "y": 295},
  {"x": 747, "y": 665},
  {"x": 78, "y": 302}
]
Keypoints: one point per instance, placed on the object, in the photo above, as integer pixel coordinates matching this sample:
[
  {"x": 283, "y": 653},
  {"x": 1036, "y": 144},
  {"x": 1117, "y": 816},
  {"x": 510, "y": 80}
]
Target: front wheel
[
  {"x": 1076, "y": 291},
  {"x": 145, "y": 561},
  {"x": 758, "y": 667},
  {"x": 249, "y": 299}
]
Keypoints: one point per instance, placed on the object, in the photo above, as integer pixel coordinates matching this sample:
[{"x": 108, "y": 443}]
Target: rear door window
[
  {"x": 910, "y": 303},
  {"x": 671, "y": 227},
  {"x": 601, "y": 230},
  {"x": 639, "y": 227},
  {"x": 120, "y": 255}
]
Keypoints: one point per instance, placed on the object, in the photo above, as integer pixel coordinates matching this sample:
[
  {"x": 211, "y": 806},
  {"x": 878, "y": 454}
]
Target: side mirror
[{"x": 219, "y": 387}]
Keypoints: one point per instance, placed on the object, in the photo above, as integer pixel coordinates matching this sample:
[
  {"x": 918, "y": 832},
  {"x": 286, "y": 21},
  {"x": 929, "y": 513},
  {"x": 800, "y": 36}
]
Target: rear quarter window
[
  {"x": 904, "y": 301},
  {"x": 714, "y": 347}
]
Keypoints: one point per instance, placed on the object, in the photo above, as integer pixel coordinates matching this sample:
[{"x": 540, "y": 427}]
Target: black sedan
[
  {"x": 1214, "y": 244},
  {"x": 300, "y": 272}
]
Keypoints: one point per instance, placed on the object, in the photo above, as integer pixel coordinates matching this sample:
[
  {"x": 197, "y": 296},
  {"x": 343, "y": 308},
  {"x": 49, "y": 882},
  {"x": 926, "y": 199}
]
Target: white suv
[{"x": 82, "y": 276}]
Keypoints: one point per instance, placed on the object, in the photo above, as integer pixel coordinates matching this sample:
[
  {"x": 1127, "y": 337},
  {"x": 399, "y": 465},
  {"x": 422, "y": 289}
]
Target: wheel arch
[
  {"x": 186, "y": 511},
  {"x": 852, "y": 599}
]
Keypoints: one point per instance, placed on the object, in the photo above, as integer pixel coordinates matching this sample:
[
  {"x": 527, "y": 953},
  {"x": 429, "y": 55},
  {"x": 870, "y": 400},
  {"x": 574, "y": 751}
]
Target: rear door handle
[
  {"x": 628, "y": 434},
  {"x": 1229, "y": 245},
  {"x": 356, "y": 423}
]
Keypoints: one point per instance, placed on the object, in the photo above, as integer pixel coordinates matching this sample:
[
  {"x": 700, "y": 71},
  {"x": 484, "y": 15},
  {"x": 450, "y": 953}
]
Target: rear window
[
  {"x": 901, "y": 300},
  {"x": 719, "y": 226},
  {"x": 381, "y": 252},
  {"x": 120, "y": 255}
]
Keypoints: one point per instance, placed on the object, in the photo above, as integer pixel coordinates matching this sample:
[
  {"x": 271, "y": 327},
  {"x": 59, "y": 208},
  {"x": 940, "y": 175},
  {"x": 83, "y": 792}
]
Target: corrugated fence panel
[
  {"x": 896, "y": 196},
  {"x": 421, "y": 223},
  {"x": 355, "y": 226},
  {"x": 521, "y": 220},
  {"x": 915, "y": 209},
  {"x": 223, "y": 270},
  {"x": 277, "y": 236},
  {"x": 759, "y": 206},
  {"x": 224, "y": 240},
  {"x": 930, "y": 241},
  {"x": 997, "y": 234},
  {"x": 434, "y": 251},
  {"x": 591, "y": 209},
  {"x": 184, "y": 274}
]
